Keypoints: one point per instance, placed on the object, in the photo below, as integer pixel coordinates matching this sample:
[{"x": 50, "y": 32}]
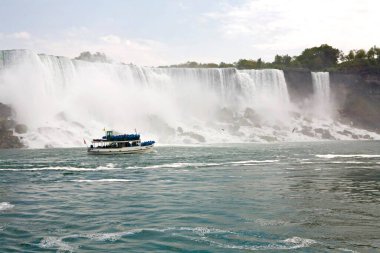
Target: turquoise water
[{"x": 298, "y": 197}]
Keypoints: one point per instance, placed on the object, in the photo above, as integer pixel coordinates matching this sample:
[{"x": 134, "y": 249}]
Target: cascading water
[
  {"x": 322, "y": 100},
  {"x": 63, "y": 101}
]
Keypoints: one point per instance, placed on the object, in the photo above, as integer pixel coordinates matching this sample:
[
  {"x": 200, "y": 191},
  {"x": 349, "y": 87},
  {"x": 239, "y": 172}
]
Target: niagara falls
[
  {"x": 189, "y": 126},
  {"x": 62, "y": 101}
]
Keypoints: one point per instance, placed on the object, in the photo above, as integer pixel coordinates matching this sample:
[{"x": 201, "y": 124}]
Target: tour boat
[{"x": 119, "y": 144}]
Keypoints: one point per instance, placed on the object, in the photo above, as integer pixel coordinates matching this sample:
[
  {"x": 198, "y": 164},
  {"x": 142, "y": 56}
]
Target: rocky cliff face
[
  {"x": 7, "y": 125},
  {"x": 300, "y": 85},
  {"x": 356, "y": 97}
]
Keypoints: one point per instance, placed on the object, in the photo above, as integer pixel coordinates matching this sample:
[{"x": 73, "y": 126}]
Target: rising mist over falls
[{"x": 64, "y": 101}]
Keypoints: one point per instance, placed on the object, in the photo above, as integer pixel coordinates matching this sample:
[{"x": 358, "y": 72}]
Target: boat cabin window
[{"x": 109, "y": 134}]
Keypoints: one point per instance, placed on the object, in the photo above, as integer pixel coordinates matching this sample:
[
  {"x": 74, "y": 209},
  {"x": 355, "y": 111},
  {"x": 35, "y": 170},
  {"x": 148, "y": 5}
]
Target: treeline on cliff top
[{"x": 322, "y": 58}]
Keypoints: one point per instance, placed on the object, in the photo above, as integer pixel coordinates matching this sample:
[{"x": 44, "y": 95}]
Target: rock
[
  {"x": 355, "y": 137},
  {"x": 346, "y": 133},
  {"x": 5, "y": 111},
  {"x": 233, "y": 128},
  {"x": 268, "y": 138},
  {"x": 21, "y": 129},
  {"x": 327, "y": 135},
  {"x": 61, "y": 116},
  {"x": 296, "y": 115},
  {"x": 225, "y": 115},
  {"x": 7, "y": 140},
  {"x": 367, "y": 137},
  {"x": 77, "y": 124},
  {"x": 195, "y": 136},
  {"x": 180, "y": 130},
  {"x": 244, "y": 122},
  {"x": 307, "y": 131},
  {"x": 251, "y": 115},
  {"x": 238, "y": 133},
  {"x": 6, "y": 124},
  {"x": 160, "y": 126},
  {"x": 308, "y": 120}
]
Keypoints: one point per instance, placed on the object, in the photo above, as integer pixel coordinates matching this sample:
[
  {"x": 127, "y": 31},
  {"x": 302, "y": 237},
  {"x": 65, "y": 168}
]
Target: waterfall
[
  {"x": 63, "y": 101},
  {"x": 321, "y": 86}
]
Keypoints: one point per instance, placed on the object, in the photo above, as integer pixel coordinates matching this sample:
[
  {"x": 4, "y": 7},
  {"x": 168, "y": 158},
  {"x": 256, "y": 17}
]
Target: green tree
[
  {"x": 246, "y": 64},
  {"x": 319, "y": 58},
  {"x": 260, "y": 64},
  {"x": 210, "y": 65},
  {"x": 226, "y": 65},
  {"x": 360, "y": 54},
  {"x": 281, "y": 61}
]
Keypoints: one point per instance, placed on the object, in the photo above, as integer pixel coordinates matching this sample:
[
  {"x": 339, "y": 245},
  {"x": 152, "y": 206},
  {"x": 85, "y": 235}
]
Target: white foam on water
[
  {"x": 110, "y": 236},
  {"x": 185, "y": 165},
  {"x": 170, "y": 165},
  {"x": 348, "y": 162},
  {"x": 179, "y": 165},
  {"x": 255, "y": 161},
  {"x": 104, "y": 180},
  {"x": 202, "y": 231},
  {"x": 66, "y": 168},
  {"x": 5, "y": 206},
  {"x": 268, "y": 222},
  {"x": 299, "y": 242},
  {"x": 331, "y": 156},
  {"x": 348, "y": 250},
  {"x": 55, "y": 242},
  {"x": 290, "y": 243}
]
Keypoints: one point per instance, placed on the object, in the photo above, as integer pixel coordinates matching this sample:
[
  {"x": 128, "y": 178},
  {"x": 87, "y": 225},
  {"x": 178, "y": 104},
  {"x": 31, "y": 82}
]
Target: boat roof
[{"x": 104, "y": 140}]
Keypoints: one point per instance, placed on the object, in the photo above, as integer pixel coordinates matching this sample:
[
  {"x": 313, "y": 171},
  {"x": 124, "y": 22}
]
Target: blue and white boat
[{"x": 119, "y": 144}]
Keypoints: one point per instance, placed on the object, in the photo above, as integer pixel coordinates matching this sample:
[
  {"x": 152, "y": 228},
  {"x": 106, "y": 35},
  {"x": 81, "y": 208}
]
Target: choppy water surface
[{"x": 306, "y": 197}]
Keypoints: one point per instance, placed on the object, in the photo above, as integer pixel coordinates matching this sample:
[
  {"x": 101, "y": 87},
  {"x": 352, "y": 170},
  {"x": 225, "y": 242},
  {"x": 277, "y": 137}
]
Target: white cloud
[
  {"x": 73, "y": 41},
  {"x": 295, "y": 24},
  {"x": 113, "y": 39},
  {"x": 241, "y": 29},
  {"x": 20, "y": 35}
]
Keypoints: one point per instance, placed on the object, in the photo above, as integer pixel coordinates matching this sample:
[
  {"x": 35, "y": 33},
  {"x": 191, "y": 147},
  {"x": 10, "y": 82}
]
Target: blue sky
[{"x": 160, "y": 32}]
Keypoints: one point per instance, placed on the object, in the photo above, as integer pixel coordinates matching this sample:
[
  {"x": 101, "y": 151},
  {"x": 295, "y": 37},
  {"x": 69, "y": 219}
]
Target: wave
[
  {"x": 330, "y": 156},
  {"x": 66, "y": 168},
  {"x": 287, "y": 244},
  {"x": 255, "y": 161},
  {"x": 299, "y": 242},
  {"x": 186, "y": 165},
  {"x": 182, "y": 165},
  {"x": 56, "y": 243},
  {"x": 200, "y": 234},
  {"x": 268, "y": 222},
  {"x": 104, "y": 180},
  {"x": 348, "y": 250},
  {"x": 202, "y": 231},
  {"x": 110, "y": 236},
  {"x": 158, "y": 166},
  {"x": 5, "y": 206}
]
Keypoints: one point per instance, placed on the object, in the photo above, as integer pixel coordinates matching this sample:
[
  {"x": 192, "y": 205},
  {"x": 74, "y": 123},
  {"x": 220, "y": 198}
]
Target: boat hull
[{"x": 124, "y": 150}]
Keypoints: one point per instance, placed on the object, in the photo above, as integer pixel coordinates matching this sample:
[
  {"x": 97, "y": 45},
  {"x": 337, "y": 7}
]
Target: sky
[{"x": 164, "y": 32}]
